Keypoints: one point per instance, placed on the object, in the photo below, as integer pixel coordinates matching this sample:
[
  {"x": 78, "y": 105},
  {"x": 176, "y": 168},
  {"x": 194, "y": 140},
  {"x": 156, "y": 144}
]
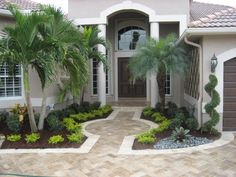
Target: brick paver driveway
[{"x": 103, "y": 160}]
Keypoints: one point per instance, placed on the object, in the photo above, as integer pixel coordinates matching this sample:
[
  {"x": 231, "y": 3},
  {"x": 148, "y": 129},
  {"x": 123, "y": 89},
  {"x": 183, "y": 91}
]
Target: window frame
[
  {"x": 21, "y": 86},
  {"x": 169, "y": 94}
]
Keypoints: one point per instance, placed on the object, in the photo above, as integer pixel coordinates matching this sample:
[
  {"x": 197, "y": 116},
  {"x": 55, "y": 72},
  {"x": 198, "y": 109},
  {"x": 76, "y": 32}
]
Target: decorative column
[
  {"x": 154, "y": 31},
  {"x": 101, "y": 71}
]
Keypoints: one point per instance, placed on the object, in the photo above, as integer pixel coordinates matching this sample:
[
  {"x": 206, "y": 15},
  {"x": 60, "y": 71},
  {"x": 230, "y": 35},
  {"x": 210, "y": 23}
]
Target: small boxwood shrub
[
  {"x": 84, "y": 107},
  {"x": 148, "y": 111},
  {"x": 3, "y": 116},
  {"x": 32, "y": 138},
  {"x": 191, "y": 123},
  {"x": 54, "y": 123},
  {"x": 184, "y": 110},
  {"x": 178, "y": 121},
  {"x": 75, "y": 137},
  {"x": 158, "y": 107},
  {"x": 13, "y": 123},
  {"x": 146, "y": 138},
  {"x": 172, "y": 109},
  {"x": 14, "y": 137},
  {"x": 95, "y": 105},
  {"x": 56, "y": 139}
]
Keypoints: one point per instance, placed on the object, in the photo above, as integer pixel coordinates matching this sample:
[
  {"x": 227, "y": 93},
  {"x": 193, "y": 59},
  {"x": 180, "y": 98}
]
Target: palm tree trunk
[
  {"x": 43, "y": 110},
  {"x": 82, "y": 97},
  {"x": 161, "y": 80},
  {"x": 28, "y": 100}
]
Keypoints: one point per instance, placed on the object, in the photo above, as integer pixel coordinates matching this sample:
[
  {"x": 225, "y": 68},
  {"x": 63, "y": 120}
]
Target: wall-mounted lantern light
[{"x": 214, "y": 63}]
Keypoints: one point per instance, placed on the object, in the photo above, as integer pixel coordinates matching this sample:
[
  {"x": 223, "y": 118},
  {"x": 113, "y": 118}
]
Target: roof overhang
[
  {"x": 207, "y": 31},
  {"x": 5, "y": 12}
]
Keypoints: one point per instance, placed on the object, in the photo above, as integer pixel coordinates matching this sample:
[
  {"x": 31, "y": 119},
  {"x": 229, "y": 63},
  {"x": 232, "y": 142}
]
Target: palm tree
[
  {"x": 65, "y": 43},
  {"x": 91, "y": 41},
  {"x": 159, "y": 57},
  {"x": 21, "y": 45}
]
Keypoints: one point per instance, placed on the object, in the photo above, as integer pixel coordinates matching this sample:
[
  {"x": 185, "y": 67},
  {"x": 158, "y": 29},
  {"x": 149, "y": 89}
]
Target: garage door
[{"x": 229, "y": 115}]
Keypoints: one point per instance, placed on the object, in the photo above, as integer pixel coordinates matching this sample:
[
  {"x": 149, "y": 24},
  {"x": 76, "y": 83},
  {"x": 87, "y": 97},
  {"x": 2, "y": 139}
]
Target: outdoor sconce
[{"x": 214, "y": 63}]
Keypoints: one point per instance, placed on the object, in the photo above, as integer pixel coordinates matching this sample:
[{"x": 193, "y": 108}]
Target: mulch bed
[
  {"x": 165, "y": 134},
  {"x": 43, "y": 142},
  {"x": 44, "y": 136}
]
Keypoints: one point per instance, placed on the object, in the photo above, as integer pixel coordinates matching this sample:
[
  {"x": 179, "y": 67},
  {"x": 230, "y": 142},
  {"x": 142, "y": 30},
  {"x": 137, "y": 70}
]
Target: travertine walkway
[{"x": 103, "y": 160}]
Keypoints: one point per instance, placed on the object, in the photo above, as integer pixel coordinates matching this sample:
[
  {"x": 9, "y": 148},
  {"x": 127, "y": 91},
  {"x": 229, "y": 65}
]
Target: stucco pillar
[
  {"x": 154, "y": 31},
  {"x": 101, "y": 71}
]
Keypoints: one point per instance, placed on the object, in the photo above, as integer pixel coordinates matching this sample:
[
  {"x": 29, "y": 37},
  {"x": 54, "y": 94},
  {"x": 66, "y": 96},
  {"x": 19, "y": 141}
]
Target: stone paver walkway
[{"x": 103, "y": 160}]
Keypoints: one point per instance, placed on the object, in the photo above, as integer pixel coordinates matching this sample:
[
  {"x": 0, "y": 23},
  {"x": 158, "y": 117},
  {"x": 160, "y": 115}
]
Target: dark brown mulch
[
  {"x": 44, "y": 136},
  {"x": 42, "y": 143},
  {"x": 165, "y": 134}
]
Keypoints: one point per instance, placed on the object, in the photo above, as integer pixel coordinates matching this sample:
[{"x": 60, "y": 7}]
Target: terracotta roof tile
[
  {"x": 22, "y": 4},
  {"x": 209, "y": 15}
]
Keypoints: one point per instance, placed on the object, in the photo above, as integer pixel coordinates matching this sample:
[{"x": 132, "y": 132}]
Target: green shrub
[
  {"x": 57, "y": 113},
  {"x": 148, "y": 111},
  {"x": 97, "y": 113},
  {"x": 210, "y": 107},
  {"x": 56, "y": 139},
  {"x": 95, "y": 105},
  {"x": 184, "y": 110},
  {"x": 54, "y": 123},
  {"x": 84, "y": 107},
  {"x": 178, "y": 121},
  {"x": 14, "y": 137},
  {"x": 162, "y": 127},
  {"x": 71, "y": 125},
  {"x": 180, "y": 134},
  {"x": 3, "y": 116},
  {"x": 32, "y": 138},
  {"x": 13, "y": 123},
  {"x": 191, "y": 124},
  {"x": 146, "y": 138},
  {"x": 158, "y": 117},
  {"x": 82, "y": 116},
  {"x": 75, "y": 107},
  {"x": 106, "y": 109},
  {"x": 68, "y": 111},
  {"x": 175, "y": 123},
  {"x": 158, "y": 107},
  {"x": 172, "y": 109},
  {"x": 75, "y": 137}
]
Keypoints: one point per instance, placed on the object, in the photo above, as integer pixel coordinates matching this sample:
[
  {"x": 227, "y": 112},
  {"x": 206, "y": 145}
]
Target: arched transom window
[{"x": 131, "y": 36}]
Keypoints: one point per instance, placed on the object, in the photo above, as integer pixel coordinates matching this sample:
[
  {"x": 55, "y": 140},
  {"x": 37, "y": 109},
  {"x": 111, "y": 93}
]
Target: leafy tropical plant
[
  {"x": 146, "y": 138},
  {"x": 76, "y": 137},
  {"x": 14, "y": 137},
  {"x": 148, "y": 111},
  {"x": 56, "y": 139},
  {"x": 180, "y": 134},
  {"x": 32, "y": 138},
  {"x": 159, "y": 57}
]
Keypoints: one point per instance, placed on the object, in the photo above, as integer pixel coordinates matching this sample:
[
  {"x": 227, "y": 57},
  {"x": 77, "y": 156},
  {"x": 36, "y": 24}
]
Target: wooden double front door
[{"x": 125, "y": 86}]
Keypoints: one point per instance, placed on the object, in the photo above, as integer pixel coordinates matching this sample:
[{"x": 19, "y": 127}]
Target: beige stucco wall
[
  {"x": 217, "y": 45},
  {"x": 214, "y": 44},
  {"x": 92, "y": 9}
]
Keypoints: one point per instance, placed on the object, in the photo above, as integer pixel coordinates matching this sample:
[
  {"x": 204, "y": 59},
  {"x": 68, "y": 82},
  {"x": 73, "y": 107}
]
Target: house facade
[{"x": 208, "y": 29}]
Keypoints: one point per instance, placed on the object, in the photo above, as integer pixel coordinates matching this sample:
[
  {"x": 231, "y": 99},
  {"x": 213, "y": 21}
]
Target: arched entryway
[{"x": 229, "y": 111}]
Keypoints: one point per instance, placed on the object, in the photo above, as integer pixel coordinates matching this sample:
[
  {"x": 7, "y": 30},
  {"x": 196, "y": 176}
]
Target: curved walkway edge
[{"x": 126, "y": 146}]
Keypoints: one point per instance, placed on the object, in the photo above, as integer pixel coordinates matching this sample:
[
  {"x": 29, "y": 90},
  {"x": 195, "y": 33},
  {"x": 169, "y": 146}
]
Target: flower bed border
[{"x": 84, "y": 148}]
